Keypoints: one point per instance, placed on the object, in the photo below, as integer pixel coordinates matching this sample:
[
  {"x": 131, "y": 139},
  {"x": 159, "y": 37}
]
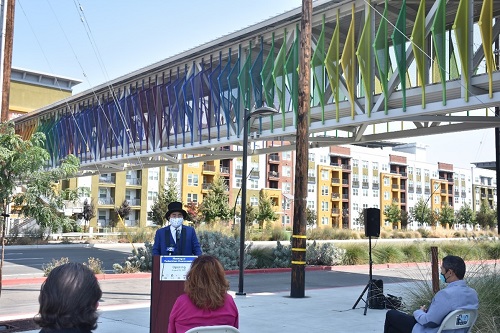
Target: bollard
[{"x": 435, "y": 269}]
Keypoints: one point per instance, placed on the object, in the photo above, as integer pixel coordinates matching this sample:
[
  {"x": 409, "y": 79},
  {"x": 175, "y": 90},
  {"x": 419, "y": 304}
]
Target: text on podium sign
[{"x": 175, "y": 268}]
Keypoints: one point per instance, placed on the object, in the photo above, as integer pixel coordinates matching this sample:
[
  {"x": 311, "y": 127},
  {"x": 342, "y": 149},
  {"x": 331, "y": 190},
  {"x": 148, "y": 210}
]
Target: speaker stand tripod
[{"x": 370, "y": 286}]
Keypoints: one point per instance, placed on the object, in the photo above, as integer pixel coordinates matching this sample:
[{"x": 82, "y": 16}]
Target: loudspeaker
[
  {"x": 372, "y": 222},
  {"x": 376, "y": 298}
]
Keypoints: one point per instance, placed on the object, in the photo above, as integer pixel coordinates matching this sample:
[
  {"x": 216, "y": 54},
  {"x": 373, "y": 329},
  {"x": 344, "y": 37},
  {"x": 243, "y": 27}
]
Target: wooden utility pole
[
  {"x": 7, "y": 58},
  {"x": 302, "y": 151}
]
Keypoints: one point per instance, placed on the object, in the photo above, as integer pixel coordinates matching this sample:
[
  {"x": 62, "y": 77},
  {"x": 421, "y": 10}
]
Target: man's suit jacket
[{"x": 188, "y": 244}]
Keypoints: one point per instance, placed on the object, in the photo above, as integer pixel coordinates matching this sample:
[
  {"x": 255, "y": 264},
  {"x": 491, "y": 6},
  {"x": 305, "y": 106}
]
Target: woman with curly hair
[
  {"x": 68, "y": 300},
  {"x": 206, "y": 301}
]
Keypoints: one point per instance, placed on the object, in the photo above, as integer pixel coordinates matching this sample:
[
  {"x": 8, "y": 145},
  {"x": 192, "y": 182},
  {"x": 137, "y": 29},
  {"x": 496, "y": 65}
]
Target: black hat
[{"x": 175, "y": 207}]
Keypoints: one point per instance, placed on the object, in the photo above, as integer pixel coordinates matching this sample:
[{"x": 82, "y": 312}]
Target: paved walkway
[{"x": 322, "y": 310}]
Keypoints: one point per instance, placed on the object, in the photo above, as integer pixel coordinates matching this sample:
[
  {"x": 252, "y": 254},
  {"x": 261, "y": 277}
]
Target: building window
[
  {"x": 322, "y": 158},
  {"x": 325, "y": 174},
  {"x": 387, "y": 195},
  {"x": 287, "y": 155},
  {"x": 355, "y": 207},
  {"x": 386, "y": 181},
  {"x": 324, "y": 190},
  {"x": 173, "y": 175},
  {"x": 285, "y": 220},
  {"x": 324, "y": 206},
  {"x": 152, "y": 195},
  {"x": 238, "y": 182},
  {"x": 286, "y": 171},
  {"x": 375, "y": 165},
  {"x": 311, "y": 157},
  {"x": 375, "y": 193},
  {"x": 254, "y": 201},
  {"x": 310, "y": 188},
  {"x": 365, "y": 164},
  {"x": 310, "y": 204},
  {"x": 365, "y": 192},
  {"x": 153, "y": 174},
  {"x": 354, "y": 191},
  {"x": 192, "y": 197},
  {"x": 192, "y": 180},
  {"x": 355, "y": 163},
  {"x": 254, "y": 184},
  {"x": 324, "y": 220}
]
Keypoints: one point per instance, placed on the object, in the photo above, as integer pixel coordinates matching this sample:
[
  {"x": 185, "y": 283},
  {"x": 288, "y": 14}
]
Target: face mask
[
  {"x": 442, "y": 278},
  {"x": 176, "y": 222}
]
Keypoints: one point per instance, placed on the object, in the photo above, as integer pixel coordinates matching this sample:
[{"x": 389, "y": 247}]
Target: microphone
[{"x": 170, "y": 249}]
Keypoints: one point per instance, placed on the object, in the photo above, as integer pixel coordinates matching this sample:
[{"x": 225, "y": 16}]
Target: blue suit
[{"x": 187, "y": 245}]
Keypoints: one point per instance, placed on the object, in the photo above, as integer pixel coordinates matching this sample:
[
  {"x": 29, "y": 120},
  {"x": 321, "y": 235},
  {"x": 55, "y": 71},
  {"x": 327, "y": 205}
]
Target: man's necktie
[{"x": 177, "y": 235}]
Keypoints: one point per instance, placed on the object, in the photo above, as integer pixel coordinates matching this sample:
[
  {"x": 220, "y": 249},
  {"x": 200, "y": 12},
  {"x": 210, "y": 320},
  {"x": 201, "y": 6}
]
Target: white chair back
[
  {"x": 459, "y": 319},
  {"x": 214, "y": 329}
]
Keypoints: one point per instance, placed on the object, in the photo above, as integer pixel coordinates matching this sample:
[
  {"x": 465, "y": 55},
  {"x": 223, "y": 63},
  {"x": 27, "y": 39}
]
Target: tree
[
  {"x": 405, "y": 219},
  {"x": 310, "y": 217},
  {"x": 465, "y": 215},
  {"x": 485, "y": 217},
  {"x": 122, "y": 212},
  {"x": 421, "y": 212},
  {"x": 168, "y": 193},
  {"x": 215, "y": 206},
  {"x": 393, "y": 213},
  {"x": 360, "y": 220},
  {"x": 266, "y": 211},
  {"x": 88, "y": 213},
  {"x": 23, "y": 162},
  {"x": 193, "y": 210},
  {"x": 446, "y": 216},
  {"x": 251, "y": 215}
]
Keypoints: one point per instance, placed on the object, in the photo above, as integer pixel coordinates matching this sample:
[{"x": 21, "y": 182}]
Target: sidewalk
[{"x": 322, "y": 310}]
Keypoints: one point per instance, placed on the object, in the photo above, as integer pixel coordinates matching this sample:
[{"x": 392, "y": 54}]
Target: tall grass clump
[
  {"x": 388, "y": 254},
  {"x": 355, "y": 254},
  {"x": 414, "y": 253}
]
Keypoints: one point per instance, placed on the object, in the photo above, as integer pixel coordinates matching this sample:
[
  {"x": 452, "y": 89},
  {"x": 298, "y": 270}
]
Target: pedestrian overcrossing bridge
[{"x": 380, "y": 70}]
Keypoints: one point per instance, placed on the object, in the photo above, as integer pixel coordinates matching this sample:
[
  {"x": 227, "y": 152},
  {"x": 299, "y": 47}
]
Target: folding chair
[
  {"x": 214, "y": 329},
  {"x": 459, "y": 319}
]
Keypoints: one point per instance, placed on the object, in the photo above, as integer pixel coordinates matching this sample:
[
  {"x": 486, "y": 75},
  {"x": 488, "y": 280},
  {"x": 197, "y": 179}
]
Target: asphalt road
[{"x": 28, "y": 261}]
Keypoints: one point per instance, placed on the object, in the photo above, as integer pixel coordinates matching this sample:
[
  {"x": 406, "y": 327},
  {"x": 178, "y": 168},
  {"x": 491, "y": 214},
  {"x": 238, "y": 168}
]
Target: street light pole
[{"x": 262, "y": 111}]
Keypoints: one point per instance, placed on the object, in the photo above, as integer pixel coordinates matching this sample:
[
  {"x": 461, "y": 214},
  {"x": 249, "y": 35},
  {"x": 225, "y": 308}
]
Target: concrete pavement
[{"x": 322, "y": 310}]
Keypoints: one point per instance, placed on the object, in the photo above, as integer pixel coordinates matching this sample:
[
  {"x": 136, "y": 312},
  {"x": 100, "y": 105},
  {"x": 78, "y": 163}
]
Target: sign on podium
[{"x": 175, "y": 268}]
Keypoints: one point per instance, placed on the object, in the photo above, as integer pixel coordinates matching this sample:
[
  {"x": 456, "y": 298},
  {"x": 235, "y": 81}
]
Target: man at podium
[{"x": 176, "y": 238}]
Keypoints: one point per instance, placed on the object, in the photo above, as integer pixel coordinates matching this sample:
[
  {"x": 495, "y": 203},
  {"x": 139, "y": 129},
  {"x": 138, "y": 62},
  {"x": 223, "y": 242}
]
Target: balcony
[
  {"x": 443, "y": 191},
  {"x": 375, "y": 186},
  {"x": 365, "y": 185},
  {"x": 346, "y": 167},
  {"x": 345, "y": 196},
  {"x": 273, "y": 174},
  {"x": 395, "y": 186},
  {"x": 224, "y": 170},
  {"x": 345, "y": 212},
  {"x": 402, "y": 187},
  {"x": 419, "y": 190},
  {"x": 131, "y": 223},
  {"x": 106, "y": 201},
  {"x": 355, "y": 183},
  {"x": 335, "y": 181},
  {"x": 411, "y": 189},
  {"x": 239, "y": 172},
  {"x": 274, "y": 158},
  {"x": 134, "y": 201},
  {"x": 404, "y": 174},
  {"x": 403, "y": 200},
  {"x": 133, "y": 181},
  {"x": 208, "y": 168},
  {"x": 311, "y": 180},
  {"x": 395, "y": 200},
  {"x": 457, "y": 194},
  {"x": 335, "y": 195},
  {"x": 206, "y": 186},
  {"x": 464, "y": 194},
  {"x": 345, "y": 181},
  {"x": 107, "y": 179},
  {"x": 335, "y": 211}
]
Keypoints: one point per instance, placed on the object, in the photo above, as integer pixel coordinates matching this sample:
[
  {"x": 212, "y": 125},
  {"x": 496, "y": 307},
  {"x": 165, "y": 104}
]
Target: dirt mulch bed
[{"x": 19, "y": 325}]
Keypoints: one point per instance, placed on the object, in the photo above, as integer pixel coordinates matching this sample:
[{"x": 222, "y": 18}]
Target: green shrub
[
  {"x": 264, "y": 257},
  {"x": 355, "y": 254},
  {"x": 141, "y": 260},
  {"x": 282, "y": 256},
  {"x": 424, "y": 232},
  {"x": 414, "y": 253},
  {"x": 47, "y": 268},
  {"x": 95, "y": 265},
  {"x": 225, "y": 248},
  {"x": 388, "y": 254},
  {"x": 323, "y": 254}
]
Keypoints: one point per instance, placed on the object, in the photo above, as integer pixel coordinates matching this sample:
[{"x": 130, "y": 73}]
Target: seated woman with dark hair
[
  {"x": 68, "y": 300},
  {"x": 206, "y": 301}
]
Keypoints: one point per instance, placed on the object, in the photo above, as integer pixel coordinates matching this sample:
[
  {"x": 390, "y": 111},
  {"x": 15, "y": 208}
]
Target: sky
[{"x": 111, "y": 38}]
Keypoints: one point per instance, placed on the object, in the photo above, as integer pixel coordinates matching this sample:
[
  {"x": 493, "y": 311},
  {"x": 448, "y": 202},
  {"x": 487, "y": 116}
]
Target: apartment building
[{"x": 342, "y": 181}]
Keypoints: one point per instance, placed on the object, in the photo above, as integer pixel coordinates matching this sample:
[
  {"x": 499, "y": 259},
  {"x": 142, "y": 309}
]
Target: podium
[{"x": 167, "y": 283}]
